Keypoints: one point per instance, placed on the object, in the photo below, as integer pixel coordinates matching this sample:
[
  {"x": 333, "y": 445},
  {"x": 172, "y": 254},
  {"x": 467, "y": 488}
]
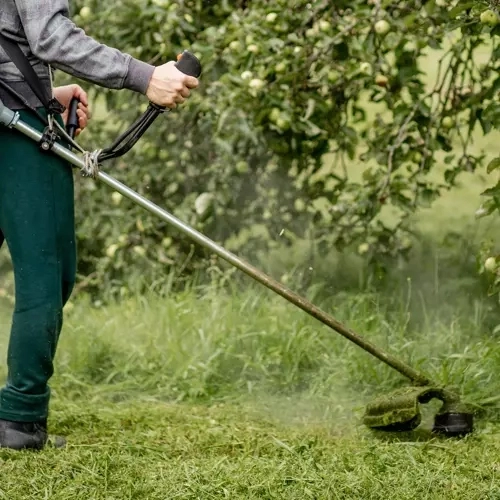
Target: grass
[{"x": 210, "y": 394}]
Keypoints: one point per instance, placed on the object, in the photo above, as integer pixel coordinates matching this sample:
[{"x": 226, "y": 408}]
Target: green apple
[
  {"x": 324, "y": 26},
  {"x": 489, "y": 18},
  {"x": 363, "y": 248},
  {"x": 140, "y": 250},
  {"x": 204, "y": 204},
  {"x": 116, "y": 197},
  {"x": 283, "y": 123},
  {"x": 256, "y": 83},
  {"x": 235, "y": 45},
  {"x": 274, "y": 115},
  {"x": 271, "y": 17},
  {"x": 490, "y": 264},
  {"x": 333, "y": 76},
  {"x": 382, "y": 27},
  {"x": 300, "y": 205},
  {"x": 242, "y": 167},
  {"x": 111, "y": 250},
  {"x": 85, "y": 12},
  {"x": 280, "y": 67},
  {"x": 447, "y": 122},
  {"x": 365, "y": 67},
  {"x": 253, "y": 48}
]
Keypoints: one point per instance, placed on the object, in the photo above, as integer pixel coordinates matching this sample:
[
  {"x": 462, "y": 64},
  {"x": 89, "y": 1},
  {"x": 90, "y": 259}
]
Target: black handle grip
[
  {"x": 189, "y": 64},
  {"x": 72, "y": 124}
]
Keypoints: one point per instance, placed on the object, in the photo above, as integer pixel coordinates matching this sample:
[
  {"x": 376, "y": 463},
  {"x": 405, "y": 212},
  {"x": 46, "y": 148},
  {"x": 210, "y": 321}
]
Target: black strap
[{"x": 17, "y": 56}]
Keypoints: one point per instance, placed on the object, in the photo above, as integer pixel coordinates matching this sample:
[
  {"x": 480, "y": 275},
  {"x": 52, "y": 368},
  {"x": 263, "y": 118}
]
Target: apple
[
  {"x": 490, "y": 264},
  {"x": 363, "y": 248},
  {"x": 365, "y": 67},
  {"x": 300, "y": 205},
  {"x": 111, "y": 250},
  {"x": 203, "y": 204},
  {"x": 116, "y": 197},
  {"x": 324, "y": 26},
  {"x": 274, "y": 115},
  {"x": 283, "y": 123},
  {"x": 382, "y": 27},
  {"x": 242, "y": 167},
  {"x": 271, "y": 17},
  {"x": 254, "y": 49},
  {"x": 280, "y": 67},
  {"x": 489, "y": 17},
  {"x": 447, "y": 122},
  {"x": 246, "y": 75},
  {"x": 333, "y": 76},
  {"x": 140, "y": 250},
  {"x": 85, "y": 12},
  {"x": 257, "y": 83},
  {"x": 235, "y": 45},
  {"x": 381, "y": 80}
]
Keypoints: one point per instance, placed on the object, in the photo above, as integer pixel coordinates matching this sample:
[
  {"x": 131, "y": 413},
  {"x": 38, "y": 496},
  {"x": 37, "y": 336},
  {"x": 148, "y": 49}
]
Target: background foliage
[{"x": 315, "y": 121}]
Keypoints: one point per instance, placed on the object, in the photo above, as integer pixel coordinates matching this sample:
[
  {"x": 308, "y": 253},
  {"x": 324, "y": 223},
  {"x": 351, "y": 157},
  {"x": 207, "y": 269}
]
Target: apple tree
[{"x": 333, "y": 122}]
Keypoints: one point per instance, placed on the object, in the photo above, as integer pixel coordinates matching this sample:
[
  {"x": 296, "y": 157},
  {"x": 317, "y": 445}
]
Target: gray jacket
[{"x": 47, "y": 36}]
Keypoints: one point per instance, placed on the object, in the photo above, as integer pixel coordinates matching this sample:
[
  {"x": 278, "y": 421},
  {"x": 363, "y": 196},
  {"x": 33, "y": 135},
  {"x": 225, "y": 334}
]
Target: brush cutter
[{"x": 399, "y": 411}]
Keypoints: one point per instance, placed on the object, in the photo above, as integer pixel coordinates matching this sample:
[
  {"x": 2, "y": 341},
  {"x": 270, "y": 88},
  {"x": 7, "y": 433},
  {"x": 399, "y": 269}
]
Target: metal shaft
[{"x": 267, "y": 281}]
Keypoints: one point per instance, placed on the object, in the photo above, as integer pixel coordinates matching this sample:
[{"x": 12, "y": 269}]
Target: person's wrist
[{"x": 139, "y": 76}]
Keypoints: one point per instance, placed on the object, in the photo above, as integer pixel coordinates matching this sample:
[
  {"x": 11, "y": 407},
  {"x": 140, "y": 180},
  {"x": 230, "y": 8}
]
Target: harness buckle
[{"x": 49, "y": 137}]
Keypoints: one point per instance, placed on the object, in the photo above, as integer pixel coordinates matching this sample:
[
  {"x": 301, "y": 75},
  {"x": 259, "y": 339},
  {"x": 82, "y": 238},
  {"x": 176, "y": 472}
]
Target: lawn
[{"x": 207, "y": 394}]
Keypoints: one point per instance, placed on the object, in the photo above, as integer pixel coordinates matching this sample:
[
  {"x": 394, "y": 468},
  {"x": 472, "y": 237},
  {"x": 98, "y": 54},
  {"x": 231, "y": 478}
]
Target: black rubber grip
[
  {"x": 189, "y": 64},
  {"x": 72, "y": 124}
]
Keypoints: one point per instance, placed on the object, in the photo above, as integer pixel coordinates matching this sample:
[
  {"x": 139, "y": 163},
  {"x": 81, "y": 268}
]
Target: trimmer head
[
  {"x": 453, "y": 424},
  {"x": 400, "y": 412}
]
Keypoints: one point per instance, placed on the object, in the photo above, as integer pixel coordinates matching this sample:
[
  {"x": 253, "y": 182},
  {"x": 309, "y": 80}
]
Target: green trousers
[{"x": 37, "y": 222}]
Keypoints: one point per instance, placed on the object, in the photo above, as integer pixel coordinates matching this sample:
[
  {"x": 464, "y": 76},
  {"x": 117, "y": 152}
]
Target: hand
[
  {"x": 169, "y": 86},
  {"x": 65, "y": 94}
]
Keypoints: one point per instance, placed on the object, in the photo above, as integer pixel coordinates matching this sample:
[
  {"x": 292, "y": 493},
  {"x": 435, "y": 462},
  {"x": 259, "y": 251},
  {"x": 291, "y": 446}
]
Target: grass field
[
  {"x": 211, "y": 395},
  {"x": 214, "y": 394}
]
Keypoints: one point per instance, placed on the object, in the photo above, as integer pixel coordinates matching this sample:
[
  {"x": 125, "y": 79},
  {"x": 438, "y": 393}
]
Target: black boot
[{"x": 27, "y": 436}]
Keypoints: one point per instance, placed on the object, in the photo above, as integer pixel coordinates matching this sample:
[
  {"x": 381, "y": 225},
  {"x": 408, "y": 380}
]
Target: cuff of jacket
[{"x": 138, "y": 76}]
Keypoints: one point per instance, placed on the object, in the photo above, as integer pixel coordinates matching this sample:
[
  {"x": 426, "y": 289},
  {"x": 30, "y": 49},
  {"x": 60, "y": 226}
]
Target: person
[{"x": 36, "y": 195}]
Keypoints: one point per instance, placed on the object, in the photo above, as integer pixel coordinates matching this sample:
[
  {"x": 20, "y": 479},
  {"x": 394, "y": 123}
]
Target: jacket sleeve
[{"x": 54, "y": 39}]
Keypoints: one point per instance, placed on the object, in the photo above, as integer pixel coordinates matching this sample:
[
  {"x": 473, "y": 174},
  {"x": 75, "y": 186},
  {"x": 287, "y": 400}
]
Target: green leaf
[
  {"x": 493, "y": 165},
  {"x": 461, "y": 8}
]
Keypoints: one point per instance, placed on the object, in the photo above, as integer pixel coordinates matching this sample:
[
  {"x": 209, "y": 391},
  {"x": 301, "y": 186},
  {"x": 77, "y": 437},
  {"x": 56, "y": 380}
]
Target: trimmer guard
[{"x": 400, "y": 411}]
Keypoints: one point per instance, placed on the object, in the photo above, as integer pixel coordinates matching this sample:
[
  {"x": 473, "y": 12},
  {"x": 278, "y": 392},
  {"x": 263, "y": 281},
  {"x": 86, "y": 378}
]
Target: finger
[
  {"x": 82, "y": 122},
  {"x": 83, "y": 110},
  {"x": 179, "y": 99},
  {"x": 81, "y": 95},
  {"x": 185, "y": 92},
  {"x": 191, "y": 82},
  {"x": 82, "y": 119}
]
